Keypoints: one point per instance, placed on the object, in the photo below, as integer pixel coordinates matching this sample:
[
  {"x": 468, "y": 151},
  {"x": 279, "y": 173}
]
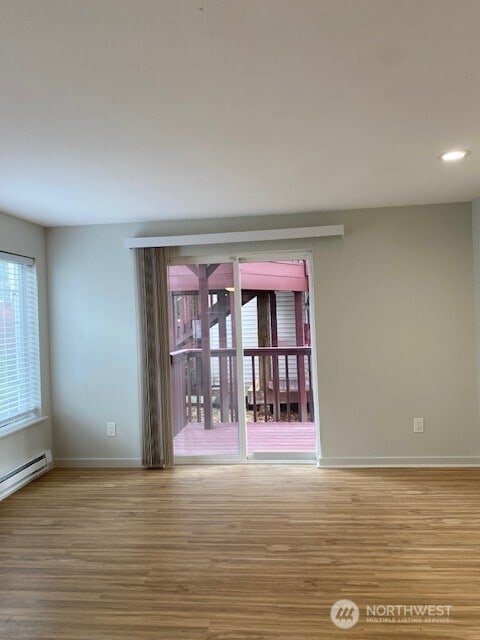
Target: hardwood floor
[{"x": 247, "y": 552}]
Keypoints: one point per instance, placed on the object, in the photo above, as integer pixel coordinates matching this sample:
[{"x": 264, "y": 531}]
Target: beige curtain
[{"x": 152, "y": 287}]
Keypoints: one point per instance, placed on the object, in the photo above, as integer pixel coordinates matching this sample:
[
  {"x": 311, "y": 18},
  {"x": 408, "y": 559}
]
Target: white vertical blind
[{"x": 19, "y": 349}]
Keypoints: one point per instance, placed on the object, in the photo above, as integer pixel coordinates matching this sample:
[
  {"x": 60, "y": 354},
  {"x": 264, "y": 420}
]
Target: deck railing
[{"x": 278, "y": 386}]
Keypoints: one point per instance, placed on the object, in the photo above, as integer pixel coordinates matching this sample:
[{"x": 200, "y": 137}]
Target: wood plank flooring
[{"x": 247, "y": 552}]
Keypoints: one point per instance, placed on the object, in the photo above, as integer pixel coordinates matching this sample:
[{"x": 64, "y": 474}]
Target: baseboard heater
[{"x": 24, "y": 472}]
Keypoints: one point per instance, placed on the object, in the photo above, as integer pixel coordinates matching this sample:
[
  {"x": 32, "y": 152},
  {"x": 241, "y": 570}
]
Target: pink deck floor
[{"x": 261, "y": 437}]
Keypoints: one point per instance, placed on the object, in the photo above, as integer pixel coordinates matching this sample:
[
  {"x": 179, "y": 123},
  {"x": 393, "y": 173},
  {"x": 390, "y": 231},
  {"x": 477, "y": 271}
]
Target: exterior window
[{"x": 19, "y": 349}]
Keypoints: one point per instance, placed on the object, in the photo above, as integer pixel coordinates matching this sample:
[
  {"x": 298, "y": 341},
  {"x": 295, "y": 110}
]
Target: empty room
[{"x": 239, "y": 319}]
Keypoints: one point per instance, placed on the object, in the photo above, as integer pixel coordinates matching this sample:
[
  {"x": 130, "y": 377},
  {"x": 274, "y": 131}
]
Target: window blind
[{"x": 19, "y": 348}]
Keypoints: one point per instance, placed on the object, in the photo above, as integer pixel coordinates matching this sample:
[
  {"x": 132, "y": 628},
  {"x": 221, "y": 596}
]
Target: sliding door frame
[
  {"x": 241, "y": 457},
  {"x": 307, "y": 255}
]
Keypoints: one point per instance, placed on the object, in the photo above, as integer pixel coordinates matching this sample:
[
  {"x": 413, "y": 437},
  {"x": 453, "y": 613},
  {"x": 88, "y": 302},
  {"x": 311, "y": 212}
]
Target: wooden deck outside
[
  {"x": 192, "y": 398},
  {"x": 223, "y": 439},
  {"x": 278, "y": 376}
]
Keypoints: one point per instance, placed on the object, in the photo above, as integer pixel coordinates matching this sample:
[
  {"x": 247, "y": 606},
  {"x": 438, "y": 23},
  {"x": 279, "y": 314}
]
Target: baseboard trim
[
  {"x": 448, "y": 461},
  {"x": 324, "y": 463},
  {"x": 97, "y": 463}
]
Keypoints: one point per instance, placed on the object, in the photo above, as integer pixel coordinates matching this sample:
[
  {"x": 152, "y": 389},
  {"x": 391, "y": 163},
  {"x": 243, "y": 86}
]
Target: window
[{"x": 19, "y": 351}]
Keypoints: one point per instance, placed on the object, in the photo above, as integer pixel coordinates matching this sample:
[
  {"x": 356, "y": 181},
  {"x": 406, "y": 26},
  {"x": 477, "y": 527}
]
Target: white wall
[
  {"x": 476, "y": 268},
  {"x": 396, "y": 299},
  {"x": 18, "y": 236},
  {"x": 395, "y": 333},
  {"x": 94, "y": 354}
]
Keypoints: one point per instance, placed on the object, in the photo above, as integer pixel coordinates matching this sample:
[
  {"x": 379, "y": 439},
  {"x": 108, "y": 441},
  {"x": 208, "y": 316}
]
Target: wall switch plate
[
  {"x": 418, "y": 425},
  {"x": 111, "y": 428}
]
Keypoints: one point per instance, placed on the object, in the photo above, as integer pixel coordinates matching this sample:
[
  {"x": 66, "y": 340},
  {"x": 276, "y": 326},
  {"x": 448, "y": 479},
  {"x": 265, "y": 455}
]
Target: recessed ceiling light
[{"x": 454, "y": 155}]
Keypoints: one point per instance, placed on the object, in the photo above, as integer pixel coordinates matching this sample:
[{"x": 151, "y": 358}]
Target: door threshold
[{"x": 303, "y": 457}]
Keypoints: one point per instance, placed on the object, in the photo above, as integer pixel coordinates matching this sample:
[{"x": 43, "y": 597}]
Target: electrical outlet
[
  {"x": 111, "y": 429},
  {"x": 418, "y": 425}
]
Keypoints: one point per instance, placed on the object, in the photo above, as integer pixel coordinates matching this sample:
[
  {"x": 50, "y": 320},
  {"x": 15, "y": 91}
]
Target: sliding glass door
[
  {"x": 242, "y": 373},
  {"x": 204, "y": 360},
  {"x": 277, "y": 356}
]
